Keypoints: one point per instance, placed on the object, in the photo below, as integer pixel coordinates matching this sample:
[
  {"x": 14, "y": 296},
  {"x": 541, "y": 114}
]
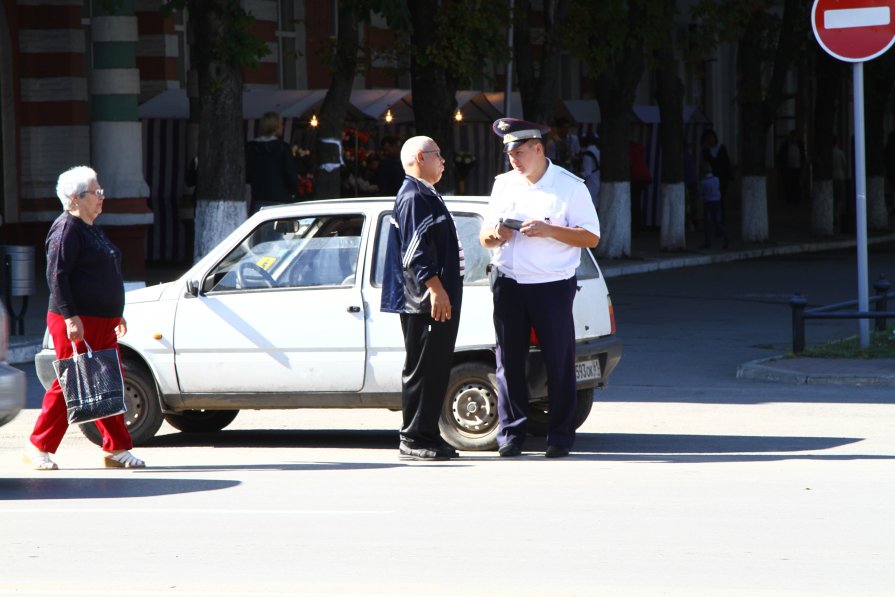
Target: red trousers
[{"x": 53, "y": 420}]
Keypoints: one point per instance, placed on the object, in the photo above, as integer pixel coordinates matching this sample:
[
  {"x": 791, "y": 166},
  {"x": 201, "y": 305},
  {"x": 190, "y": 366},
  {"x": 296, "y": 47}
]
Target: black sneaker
[
  {"x": 447, "y": 450},
  {"x": 510, "y": 450},
  {"x": 556, "y": 452}
]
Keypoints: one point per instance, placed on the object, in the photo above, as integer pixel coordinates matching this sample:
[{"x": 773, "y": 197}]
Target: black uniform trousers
[
  {"x": 547, "y": 308},
  {"x": 424, "y": 380}
]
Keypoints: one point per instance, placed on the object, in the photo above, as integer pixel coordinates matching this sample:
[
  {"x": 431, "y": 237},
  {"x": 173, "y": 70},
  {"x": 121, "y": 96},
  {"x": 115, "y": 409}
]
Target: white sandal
[
  {"x": 122, "y": 459},
  {"x": 38, "y": 459}
]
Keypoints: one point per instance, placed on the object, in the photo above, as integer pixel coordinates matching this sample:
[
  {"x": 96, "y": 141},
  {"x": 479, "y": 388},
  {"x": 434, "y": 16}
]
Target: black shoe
[
  {"x": 556, "y": 452},
  {"x": 447, "y": 450},
  {"x": 509, "y": 450},
  {"x": 408, "y": 452}
]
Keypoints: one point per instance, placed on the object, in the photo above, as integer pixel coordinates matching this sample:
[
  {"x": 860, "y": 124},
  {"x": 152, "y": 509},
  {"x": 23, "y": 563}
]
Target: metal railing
[{"x": 800, "y": 312}]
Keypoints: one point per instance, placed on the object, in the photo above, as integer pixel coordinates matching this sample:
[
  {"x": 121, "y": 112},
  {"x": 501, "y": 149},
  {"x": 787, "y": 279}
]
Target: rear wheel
[
  {"x": 539, "y": 414},
  {"x": 201, "y": 421},
  {"x": 144, "y": 414},
  {"x": 469, "y": 413}
]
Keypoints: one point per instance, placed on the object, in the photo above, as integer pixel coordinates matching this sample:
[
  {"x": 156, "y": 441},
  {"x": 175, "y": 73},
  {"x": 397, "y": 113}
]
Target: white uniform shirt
[{"x": 559, "y": 197}]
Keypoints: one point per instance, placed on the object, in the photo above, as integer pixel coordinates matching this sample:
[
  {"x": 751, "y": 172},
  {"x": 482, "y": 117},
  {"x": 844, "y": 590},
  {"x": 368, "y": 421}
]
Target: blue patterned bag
[{"x": 92, "y": 384}]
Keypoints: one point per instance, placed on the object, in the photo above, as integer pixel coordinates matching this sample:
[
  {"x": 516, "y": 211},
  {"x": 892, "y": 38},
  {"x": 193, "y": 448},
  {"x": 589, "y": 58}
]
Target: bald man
[{"x": 423, "y": 283}]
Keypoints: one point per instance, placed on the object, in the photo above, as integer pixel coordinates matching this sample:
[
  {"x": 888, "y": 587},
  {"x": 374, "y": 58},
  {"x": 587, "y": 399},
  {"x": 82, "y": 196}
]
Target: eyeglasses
[
  {"x": 95, "y": 192},
  {"x": 437, "y": 152}
]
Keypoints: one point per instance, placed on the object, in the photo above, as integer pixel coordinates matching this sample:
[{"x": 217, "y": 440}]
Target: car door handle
[{"x": 354, "y": 309}]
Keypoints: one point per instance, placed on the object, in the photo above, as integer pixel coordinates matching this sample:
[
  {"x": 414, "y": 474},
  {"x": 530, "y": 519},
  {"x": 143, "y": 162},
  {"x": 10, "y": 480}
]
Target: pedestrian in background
[
  {"x": 589, "y": 160},
  {"x": 86, "y": 305},
  {"x": 390, "y": 174},
  {"x": 423, "y": 283},
  {"x": 789, "y": 161},
  {"x": 710, "y": 193},
  {"x": 270, "y": 165},
  {"x": 714, "y": 152},
  {"x": 532, "y": 274},
  {"x": 840, "y": 187}
]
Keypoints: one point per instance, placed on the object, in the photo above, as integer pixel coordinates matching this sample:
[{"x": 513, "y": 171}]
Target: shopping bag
[{"x": 91, "y": 384}]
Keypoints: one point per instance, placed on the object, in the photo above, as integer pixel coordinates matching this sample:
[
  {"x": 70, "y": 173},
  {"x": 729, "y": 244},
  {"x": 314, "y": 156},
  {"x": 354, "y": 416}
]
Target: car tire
[
  {"x": 144, "y": 413},
  {"x": 469, "y": 413},
  {"x": 201, "y": 421},
  {"x": 539, "y": 415}
]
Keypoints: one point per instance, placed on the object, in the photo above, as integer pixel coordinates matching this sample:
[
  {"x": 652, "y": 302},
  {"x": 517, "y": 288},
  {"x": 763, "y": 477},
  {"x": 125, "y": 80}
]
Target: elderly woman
[{"x": 86, "y": 303}]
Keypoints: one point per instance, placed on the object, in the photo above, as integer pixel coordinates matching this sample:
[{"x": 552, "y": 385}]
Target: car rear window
[
  {"x": 468, "y": 226},
  {"x": 477, "y": 256}
]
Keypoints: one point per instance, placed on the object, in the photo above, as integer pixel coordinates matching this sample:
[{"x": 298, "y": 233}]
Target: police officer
[{"x": 540, "y": 217}]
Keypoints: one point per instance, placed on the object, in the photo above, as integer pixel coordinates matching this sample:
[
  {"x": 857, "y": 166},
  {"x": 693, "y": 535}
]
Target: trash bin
[{"x": 17, "y": 262}]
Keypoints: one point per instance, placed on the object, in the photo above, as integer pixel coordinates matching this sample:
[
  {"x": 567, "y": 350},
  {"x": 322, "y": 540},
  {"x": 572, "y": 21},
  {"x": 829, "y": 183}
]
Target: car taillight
[{"x": 611, "y": 316}]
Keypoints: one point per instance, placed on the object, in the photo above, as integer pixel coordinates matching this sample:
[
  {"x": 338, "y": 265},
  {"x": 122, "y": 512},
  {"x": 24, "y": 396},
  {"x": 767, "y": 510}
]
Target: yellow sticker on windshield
[{"x": 265, "y": 262}]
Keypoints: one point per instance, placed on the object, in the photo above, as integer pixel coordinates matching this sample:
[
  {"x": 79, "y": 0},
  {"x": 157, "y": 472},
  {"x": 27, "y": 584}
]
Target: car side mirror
[{"x": 192, "y": 288}]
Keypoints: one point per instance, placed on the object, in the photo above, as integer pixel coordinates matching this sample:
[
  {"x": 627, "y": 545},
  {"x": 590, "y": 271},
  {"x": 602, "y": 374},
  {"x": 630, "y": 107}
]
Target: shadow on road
[
  {"x": 377, "y": 439},
  {"x": 711, "y": 448},
  {"x": 49, "y": 488}
]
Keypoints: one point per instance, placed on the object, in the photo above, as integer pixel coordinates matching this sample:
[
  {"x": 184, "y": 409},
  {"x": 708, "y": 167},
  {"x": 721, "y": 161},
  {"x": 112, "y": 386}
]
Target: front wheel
[
  {"x": 144, "y": 413},
  {"x": 469, "y": 413}
]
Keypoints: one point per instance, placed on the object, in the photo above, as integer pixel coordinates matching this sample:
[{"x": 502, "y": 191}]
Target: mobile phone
[{"x": 511, "y": 223}]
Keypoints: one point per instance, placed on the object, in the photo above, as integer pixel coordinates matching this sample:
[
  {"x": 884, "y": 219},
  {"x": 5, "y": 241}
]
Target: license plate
[{"x": 587, "y": 370}]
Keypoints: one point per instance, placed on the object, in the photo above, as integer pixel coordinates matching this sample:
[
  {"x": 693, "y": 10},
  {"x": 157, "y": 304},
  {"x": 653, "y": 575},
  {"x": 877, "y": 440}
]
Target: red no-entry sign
[{"x": 854, "y": 30}]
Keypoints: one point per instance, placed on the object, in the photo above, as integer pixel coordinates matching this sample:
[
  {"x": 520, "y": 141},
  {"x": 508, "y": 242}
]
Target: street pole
[{"x": 861, "y": 201}]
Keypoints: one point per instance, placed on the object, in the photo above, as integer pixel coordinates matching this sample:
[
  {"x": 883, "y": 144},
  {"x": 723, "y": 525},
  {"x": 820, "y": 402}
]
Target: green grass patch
[{"x": 882, "y": 346}]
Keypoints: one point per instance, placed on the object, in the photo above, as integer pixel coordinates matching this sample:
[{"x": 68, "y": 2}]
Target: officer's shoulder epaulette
[{"x": 570, "y": 175}]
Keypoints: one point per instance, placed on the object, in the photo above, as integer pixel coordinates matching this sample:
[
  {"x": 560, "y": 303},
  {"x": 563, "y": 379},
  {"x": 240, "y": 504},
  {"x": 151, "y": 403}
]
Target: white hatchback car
[{"x": 284, "y": 313}]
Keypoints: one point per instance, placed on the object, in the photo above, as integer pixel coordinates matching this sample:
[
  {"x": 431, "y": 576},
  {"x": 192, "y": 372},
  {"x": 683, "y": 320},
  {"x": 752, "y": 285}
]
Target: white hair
[
  {"x": 411, "y": 147},
  {"x": 74, "y": 181}
]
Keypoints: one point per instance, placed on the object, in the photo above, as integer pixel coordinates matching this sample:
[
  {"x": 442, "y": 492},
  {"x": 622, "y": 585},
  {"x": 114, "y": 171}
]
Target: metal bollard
[
  {"x": 881, "y": 287},
  {"x": 798, "y": 303},
  {"x": 18, "y": 280}
]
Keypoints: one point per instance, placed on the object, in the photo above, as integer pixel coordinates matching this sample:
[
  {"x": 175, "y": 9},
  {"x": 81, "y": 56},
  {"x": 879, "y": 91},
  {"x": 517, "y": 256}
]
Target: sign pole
[
  {"x": 856, "y": 31},
  {"x": 861, "y": 201}
]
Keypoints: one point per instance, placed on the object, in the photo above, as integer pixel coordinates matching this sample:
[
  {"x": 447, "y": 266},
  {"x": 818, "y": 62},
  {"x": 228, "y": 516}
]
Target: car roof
[{"x": 369, "y": 201}]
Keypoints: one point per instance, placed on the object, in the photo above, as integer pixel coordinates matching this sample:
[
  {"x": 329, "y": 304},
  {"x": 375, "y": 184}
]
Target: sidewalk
[{"x": 646, "y": 257}]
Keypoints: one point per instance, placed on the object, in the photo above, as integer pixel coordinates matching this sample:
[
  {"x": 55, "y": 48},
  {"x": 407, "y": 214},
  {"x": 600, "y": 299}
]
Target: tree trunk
[
  {"x": 615, "y": 219},
  {"x": 754, "y": 225},
  {"x": 539, "y": 92},
  {"x": 826, "y": 71},
  {"x": 328, "y": 176},
  {"x": 877, "y": 89},
  {"x": 434, "y": 90},
  {"x": 758, "y": 106},
  {"x": 616, "y": 87},
  {"x": 221, "y": 176},
  {"x": 670, "y": 97}
]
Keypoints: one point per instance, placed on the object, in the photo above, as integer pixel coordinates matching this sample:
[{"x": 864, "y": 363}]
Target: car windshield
[{"x": 292, "y": 253}]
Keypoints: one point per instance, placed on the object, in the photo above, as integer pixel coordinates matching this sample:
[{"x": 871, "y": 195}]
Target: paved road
[{"x": 686, "y": 481}]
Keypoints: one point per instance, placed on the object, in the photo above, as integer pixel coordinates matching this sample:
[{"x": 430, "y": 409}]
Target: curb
[
  {"x": 783, "y": 370},
  {"x": 611, "y": 270}
]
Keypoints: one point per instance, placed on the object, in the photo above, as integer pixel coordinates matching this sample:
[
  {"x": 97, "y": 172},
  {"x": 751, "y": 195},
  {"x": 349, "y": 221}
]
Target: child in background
[{"x": 710, "y": 193}]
